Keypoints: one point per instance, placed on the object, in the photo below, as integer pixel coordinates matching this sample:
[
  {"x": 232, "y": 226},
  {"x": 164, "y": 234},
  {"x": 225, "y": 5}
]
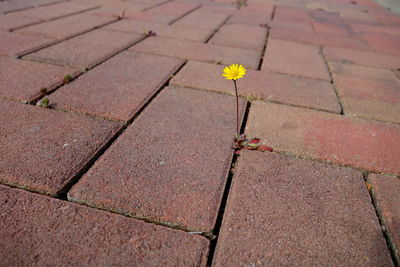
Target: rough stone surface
[
  {"x": 13, "y": 20},
  {"x": 368, "y": 92},
  {"x": 385, "y": 190},
  {"x": 345, "y": 140},
  {"x": 261, "y": 85},
  {"x": 170, "y": 165},
  {"x": 66, "y": 27},
  {"x": 15, "y": 44},
  {"x": 40, "y": 151},
  {"x": 177, "y": 32},
  {"x": 117, "y": 88},
  {"x": 384, "y": 43},
  {"x": 199, "y": 51},
  {"x": 364, "y": 58},
  {"x": 285, "y": 211},
  {"x": 38, "y": 231},
  {"x": 244, "y": 36},
  {"x": 296, "y": 59},
  {"x": 21, "y": 80},
  {"x": 87, "y": 49}
]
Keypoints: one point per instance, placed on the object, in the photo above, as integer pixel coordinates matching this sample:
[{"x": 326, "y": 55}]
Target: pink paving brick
[
  {"x": 298, "y": 26},
  {"x": 87, "y": 49},
  {"x": 202, "y": 20},
  {"x": 22, "y": 80},
  {"x": 40, "y": 150},
  {"x": 199, "y": 51},
  {"x": 375, "y": 29},
  {"x": 15, "y": 44},
  {"x": 342, "y": 55},
  {"x": 384, "y": 43},
  {"x": 339, "y": 30},
  {"x": 249, "y": 19},
  {"x": 243, "y": 36},
  {"x": 313, "y": 134},
  {"x": 170, "y": 165},
  {"x": 133, "y": 78},
  {"x": 385, "y": 190},
  {"x": 66, "y": 27},
  {"x": 261, "y": 85},
  {"x": 13, "y": 20},
  {"x": 165, "y": 13},
  {"x": 38, "y": 231},
  {"x": 284, "y": 13},
  {"x": 368, "y": 92},
  {"x": 291, "y": 212},
  {"x": 296, "y": 59},
  {"x": 176, "y": 32},
  {"x": 57, "y": 10},
  {"x": 319, "y": 39}
]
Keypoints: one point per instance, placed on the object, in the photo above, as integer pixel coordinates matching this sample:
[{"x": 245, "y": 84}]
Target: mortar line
[
  {"x": 157, "y": 5},
  {"x": 386, "y": 235},
  {"x": 33, "y": 7},
  {"x": 217, "y": 29},
  {"x": 184, "y": 15},
  {"x": 264, "y": 50}
]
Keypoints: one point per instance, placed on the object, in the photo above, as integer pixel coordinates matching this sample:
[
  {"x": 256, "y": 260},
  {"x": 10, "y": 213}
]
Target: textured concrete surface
[
  {"x": 285, "y": 211},
  {"x": 38, "y": 231},
  {"x": 171, "y": 164}
]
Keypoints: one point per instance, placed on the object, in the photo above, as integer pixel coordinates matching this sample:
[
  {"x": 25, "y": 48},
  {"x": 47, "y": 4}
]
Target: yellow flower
[{"x": 234, "y": 72}]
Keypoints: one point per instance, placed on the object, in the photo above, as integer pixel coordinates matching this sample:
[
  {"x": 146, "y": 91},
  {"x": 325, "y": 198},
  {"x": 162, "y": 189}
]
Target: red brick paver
[
  {"x": 117, "y": 88},
  {"x": 13, "y": 20},
  {"x": 37, "y": 231},
  {"x": 296, "y": 59},
  {"x": 171, "y": 165},
  {"x": 15, "y": 44},
  {"x": 87, "y": 49},
  {"x": 177, "y": 32},
  {"x": 261, "y": 85},
  {"x": 285, "y": 211},
  {"x": 345, "y": 140},
  {"x": 23, "y": 80},
  {"x": 199, "y": 51},
  {"x": 386, "y": 193},
  {"x": 40, "y": 150},
  {"x": 202, "y": 20},
  {"x": 244, "y": 36},
  {"x": 368, "y": 92}
]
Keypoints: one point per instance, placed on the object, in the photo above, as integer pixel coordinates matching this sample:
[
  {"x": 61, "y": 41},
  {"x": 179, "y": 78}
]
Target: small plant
[
  {"x": 44, "y": 103},
  {"x": 67, "y": 78},
  {"x": 240, "y": 3},
  {"x": 234, "y": 72},
  {"x": 43, "y": 90}
]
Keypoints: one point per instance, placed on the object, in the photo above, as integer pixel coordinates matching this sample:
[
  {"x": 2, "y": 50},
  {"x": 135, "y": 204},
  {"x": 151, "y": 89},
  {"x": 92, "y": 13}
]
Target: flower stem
[{"x": 237, "y": 110}]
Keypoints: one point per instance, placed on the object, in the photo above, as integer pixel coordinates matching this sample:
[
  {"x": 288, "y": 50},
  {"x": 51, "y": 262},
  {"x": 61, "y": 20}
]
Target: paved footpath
[{"x": 131, "y": 162}]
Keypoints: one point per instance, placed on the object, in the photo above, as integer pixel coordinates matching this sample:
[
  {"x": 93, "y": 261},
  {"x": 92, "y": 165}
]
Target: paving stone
[
  {"x": 368, "y": 92},
  {"x": 15, "y": 44},
  {"x": 133, "y": 77},
  {"x": 38, "y": 231},
  {"x": 199, "y": 51},
  {"x": 249, "y": 19},
  {"x": 368, "y": 29},
  {"x": 13, "y": 20},
  {"x": 284, "y": 13},
  {"x": 162, "y": 30},
  {"x": 87, "y": 49},
  {"x": 261, "y": 85},
  {"x": 66, "y": 27},
  {"x": 42, "y": 149},
  {"x": 342, "y": 55},
  {"x": 318, "y": 39},
  {"x": 296, "y": 59},
  {"x": 170, "y": 165},
  {"x": 22, "y": 80},
  {"x": 202, "y": 20},
  {"x": 166, "y": 13},
  {"x": 385, "y": 190},
  {"x": 313, "y": 134},
  {"x": 285, "y": 211},
  {"x": 298, "y": 26},
  {"x": 15, "y": 5},
  {"x": 333, "y": 29},
  {"x": 384, "y": 43},
  {"x": 243, "y": 36},
  {"x": 57, "y": 10}
]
